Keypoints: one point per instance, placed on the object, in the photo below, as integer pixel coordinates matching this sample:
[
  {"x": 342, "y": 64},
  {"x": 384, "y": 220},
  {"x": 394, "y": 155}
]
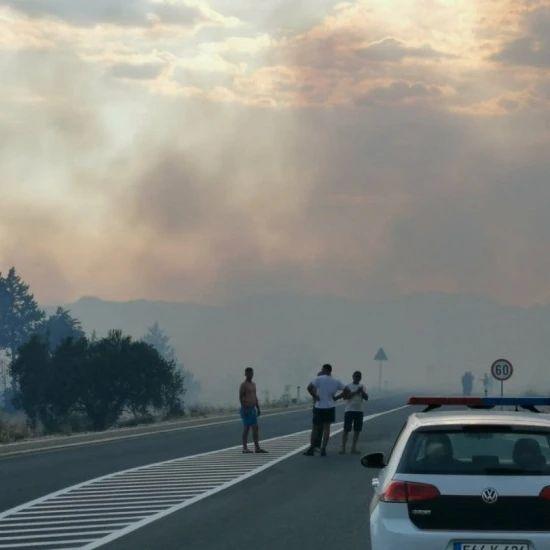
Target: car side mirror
[{"x": 374, "y": 460}]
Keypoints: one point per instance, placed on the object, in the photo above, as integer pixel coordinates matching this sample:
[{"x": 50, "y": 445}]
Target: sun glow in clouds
[{"x": 220, "y": 148}]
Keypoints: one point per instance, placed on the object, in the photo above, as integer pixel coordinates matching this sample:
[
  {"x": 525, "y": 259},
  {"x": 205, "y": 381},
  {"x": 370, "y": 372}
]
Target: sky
[{"x": 205, "y": 151}]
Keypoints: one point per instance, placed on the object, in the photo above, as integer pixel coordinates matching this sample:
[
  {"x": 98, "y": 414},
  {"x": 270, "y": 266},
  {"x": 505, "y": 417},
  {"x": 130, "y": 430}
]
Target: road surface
[{"x": 297, "y": 503}]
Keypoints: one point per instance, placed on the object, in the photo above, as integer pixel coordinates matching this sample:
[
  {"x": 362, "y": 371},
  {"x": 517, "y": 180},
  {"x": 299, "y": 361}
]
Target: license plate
[{"x": 491, "y": 546}]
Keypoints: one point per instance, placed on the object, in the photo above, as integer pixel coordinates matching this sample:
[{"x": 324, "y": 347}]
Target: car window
[
  {"x": 477, "y": 451},
  {"x": 397, "y": 439}
]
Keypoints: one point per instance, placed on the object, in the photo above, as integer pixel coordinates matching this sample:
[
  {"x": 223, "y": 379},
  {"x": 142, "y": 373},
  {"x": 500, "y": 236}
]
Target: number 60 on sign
[{"x": 502, "y": 369}]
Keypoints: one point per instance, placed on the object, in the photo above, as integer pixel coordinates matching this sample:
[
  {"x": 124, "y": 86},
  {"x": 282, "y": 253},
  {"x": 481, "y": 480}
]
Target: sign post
[
  {"x": 380, "y": 357},
  {"x": 502, "y": 370}
]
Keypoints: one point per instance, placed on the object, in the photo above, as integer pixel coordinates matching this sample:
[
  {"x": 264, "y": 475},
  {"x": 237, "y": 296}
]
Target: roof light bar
[{"x": 529, "y": 403}]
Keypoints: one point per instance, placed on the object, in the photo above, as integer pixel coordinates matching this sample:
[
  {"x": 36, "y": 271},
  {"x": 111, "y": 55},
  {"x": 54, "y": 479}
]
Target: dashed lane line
[{"x": 98, "y": 511}]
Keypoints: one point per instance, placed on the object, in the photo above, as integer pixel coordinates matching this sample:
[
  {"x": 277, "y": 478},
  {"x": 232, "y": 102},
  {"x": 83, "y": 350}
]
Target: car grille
[{"x": 470, "y": 513}]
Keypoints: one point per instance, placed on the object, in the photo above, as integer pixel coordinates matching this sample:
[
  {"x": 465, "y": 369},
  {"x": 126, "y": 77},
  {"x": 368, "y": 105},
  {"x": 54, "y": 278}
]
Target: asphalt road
[{"x": 300, "y": 502}]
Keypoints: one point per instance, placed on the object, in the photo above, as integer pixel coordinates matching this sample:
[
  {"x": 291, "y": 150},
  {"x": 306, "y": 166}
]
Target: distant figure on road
[
  {"x": 250, "y": 410},
  {"x": 467, "y": 383},
  {"x": 353, "y": 417},
  {"x": 487, "y": 384},
  {"x": 323, "y": 390}
]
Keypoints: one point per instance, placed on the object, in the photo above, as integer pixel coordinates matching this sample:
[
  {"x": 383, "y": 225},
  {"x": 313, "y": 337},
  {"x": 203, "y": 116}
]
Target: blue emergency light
[{"x": 528, "y": 403}]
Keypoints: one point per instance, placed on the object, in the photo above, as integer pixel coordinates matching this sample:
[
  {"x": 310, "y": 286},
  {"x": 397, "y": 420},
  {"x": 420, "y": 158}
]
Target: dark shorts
[
  {"x": 249, "y": 416},
  {"x": 323, "y": 416},
  {"x": 355, "y": 419}
]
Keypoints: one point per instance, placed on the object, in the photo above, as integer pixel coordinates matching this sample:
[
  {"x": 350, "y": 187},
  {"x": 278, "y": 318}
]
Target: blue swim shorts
[{"x": 249, "y": 416}]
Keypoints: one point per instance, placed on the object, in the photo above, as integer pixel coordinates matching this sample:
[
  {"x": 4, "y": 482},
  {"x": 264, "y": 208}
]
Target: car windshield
[{"x": 479, "y": 450}]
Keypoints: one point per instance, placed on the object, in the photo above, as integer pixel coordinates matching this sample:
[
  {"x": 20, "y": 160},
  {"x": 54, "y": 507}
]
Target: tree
[
  {"x": 48, "y": 384},
  {"x": 60, "y": 326},
  {"x": 20, "y": 315},
  {"x": 30, "y": 372},
  {"x": 103, "y": 379},
  {"x": 69, "y": 361},
  {"x": 99, "y": 379},
  {"x": 153, "y": 381},
  {"x": 157, "y": 338}
]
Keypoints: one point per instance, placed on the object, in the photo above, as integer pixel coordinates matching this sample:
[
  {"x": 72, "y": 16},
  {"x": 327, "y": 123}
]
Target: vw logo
[{"x": 489, "y": 495}]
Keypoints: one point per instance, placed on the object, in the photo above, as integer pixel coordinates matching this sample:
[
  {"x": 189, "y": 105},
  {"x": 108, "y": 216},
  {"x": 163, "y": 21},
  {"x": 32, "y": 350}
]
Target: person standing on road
[
  {"x": 323, "y": 389},
  {"x": 250, "y": 410},
  {"x": 353, "y": 417},
  {"x": 319, "y": 435}
]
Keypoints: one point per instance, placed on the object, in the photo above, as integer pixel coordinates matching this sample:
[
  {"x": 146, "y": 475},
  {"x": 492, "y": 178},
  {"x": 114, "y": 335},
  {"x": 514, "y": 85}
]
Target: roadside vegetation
[
  {"x": 66, "y": 382},
  {"x": 13, "y": 428}
]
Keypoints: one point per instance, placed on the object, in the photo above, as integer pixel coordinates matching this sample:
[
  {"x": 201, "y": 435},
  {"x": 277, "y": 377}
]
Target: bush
[
  {"x": 95, "y": 379},
  {"x": 13, "y": 430}
]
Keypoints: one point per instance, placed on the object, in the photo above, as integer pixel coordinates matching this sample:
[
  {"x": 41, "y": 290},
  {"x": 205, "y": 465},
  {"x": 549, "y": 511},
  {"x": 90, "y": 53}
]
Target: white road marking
[
  {"x": 122, "y": 437},
  {"x": 104, "y": 509}
]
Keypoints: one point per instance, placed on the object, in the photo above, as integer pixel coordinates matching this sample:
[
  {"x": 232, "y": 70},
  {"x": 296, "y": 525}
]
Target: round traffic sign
[{"x": 502, "y": 369}]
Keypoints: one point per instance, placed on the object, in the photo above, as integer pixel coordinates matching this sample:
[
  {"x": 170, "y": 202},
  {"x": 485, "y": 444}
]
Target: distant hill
[{"x": 430, "y": 339}]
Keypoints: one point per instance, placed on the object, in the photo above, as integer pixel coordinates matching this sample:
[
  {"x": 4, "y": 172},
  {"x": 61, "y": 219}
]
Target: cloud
[
  {"x": 532, "y": 48},
  {"x": 215, "y": 166},
  {"x": 397, "y": 92},
  {"x": 392, "y": 50},
  {"x": 136, "y": 71},
  {"x": 141, "y": 13}
]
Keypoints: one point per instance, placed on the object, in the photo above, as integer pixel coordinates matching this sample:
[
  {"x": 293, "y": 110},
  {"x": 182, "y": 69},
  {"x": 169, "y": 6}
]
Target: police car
[{"x": 465, "y": 480}]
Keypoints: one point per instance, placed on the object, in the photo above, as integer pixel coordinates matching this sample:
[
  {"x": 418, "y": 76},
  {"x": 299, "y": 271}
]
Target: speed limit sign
[{"x": 502, "y": 369}]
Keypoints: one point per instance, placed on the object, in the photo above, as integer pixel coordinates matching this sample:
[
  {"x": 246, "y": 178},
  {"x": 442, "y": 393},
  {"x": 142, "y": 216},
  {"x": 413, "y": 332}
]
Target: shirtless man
[{"x": 250, "y": 410}]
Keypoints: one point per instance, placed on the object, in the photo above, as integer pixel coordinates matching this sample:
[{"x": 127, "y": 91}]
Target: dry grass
[{"x": 13, "y": 428}]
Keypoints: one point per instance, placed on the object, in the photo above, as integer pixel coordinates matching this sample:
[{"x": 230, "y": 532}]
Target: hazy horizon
[{"x": 430, "y": 339}]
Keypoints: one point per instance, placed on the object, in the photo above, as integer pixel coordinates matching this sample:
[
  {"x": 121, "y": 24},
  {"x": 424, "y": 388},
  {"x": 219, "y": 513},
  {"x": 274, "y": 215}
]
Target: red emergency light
[
  {"x": 529, "y": 403},
  {"x": 439, "y": 401}
]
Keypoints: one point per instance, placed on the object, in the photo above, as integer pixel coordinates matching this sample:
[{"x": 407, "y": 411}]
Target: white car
[{"x": 465, "y": 480}]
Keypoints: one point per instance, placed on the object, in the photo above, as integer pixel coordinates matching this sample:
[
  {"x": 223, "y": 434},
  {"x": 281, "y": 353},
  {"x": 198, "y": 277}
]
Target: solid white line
[
  {"x": 96, "y": 499},
  {"x": 144, "y": 483},
  {"x": 148, "y": 520},
  {"x": 33, "y": 544},
  {"x": 143, "y": 489},
  {"x": 45, "y": 529},
  {"x": 101, "y": 497},
  {"x": 45, "y": 523},
  {"x": 178, "y": 476},
  {"x": 87, "y": 483},
  {"x": 193, "y": 471},
  {"x": 141, "y": 434},
  {"x": 85, "y": 505},
  {"x": 129, "y": 515},
  {"x": 82, "y": 508},
  {"x": 155, "y": 477},
  {"x": 54, "y": 535},
  {"x": 152, "y": 512}
]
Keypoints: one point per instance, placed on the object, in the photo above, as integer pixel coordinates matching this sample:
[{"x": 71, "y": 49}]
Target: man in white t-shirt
[
  {"x": 355, "y": 394},
  {"x": 323, "y": 389}
]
